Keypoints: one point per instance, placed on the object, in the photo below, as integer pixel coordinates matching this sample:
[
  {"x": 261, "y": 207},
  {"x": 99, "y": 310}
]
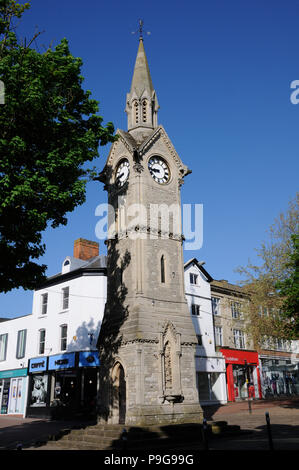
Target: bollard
[
  {"x": 124, "y": 438},
  {"x": 249, "y": 405},
  {"x": 269, "y": 431},
  {"x": 204, "y": 430}
]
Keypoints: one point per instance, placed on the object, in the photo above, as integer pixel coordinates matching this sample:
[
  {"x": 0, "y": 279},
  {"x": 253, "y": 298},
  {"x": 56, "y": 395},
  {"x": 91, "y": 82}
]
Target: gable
[
  {"x": 193, "y": 266},
  {"x": 159, "y": 142}
]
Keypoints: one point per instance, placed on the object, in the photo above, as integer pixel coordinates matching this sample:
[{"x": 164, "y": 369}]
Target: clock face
[
  {"x": 122, "y": 173},
  {"x": 159, "y": 170}
]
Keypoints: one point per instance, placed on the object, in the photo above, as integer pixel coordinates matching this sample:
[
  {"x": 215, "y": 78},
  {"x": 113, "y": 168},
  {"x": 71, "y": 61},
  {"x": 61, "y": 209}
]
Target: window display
[
  {"x": 5, "y": 395},
  {"x": 66, "y": 389},
  {"x": 279, "y": 378},
  {"x": 39, "y": 390}
]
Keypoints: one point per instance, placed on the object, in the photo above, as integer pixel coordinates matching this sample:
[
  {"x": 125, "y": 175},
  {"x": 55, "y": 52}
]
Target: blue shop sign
[
  {"x": 38, "y": 364},
  {"x": 89, "y": 359},
  {"x": 62, "y": 361}
]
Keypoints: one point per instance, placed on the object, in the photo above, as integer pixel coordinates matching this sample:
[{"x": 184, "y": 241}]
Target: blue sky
[{"x": 222, "y": 72}]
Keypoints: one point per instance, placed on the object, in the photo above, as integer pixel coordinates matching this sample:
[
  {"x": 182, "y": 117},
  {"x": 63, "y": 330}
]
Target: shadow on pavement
[{"x": 35, "y": 433}]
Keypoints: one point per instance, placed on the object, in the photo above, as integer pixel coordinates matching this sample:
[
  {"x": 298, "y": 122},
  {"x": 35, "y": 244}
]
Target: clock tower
[{"x": 147, "y": 340}]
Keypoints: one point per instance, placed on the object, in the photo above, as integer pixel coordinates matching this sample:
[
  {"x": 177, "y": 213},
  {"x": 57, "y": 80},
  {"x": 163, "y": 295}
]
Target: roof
[
  {"x": 199, "y": 264},
  {"x": 93, "y": 266},
  {"x": 227, "y": 288}
]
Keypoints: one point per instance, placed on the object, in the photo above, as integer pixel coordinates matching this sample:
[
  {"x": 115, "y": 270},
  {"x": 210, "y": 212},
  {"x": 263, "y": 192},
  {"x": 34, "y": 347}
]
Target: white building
[
  {"x": 48, "y": 359},
  {"x": 210, "y": 365}
]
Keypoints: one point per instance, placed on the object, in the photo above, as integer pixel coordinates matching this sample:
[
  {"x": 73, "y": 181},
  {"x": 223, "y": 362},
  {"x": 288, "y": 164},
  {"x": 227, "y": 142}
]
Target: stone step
[{"x": 109, "y": 437}]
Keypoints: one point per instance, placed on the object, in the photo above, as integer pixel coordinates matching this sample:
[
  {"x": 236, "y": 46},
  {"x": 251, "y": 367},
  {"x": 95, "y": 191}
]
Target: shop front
[
  {"x": 63, "y": 385},
  {"x": 210, "y": 375},
  {"x": 13, "y": 385},
  {"x": 279, "y": 376},
  {"x": 242, "y": 374}
]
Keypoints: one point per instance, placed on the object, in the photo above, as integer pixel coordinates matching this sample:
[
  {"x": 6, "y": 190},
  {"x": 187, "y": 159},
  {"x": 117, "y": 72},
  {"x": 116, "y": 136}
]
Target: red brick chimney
[{"x": 85, "y": 249}]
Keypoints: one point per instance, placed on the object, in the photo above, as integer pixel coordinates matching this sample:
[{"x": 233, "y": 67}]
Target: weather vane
[{"x": 140, "y": 30}]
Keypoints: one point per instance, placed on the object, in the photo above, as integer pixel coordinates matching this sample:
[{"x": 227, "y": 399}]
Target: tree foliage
[
  {"x": 288, "y": 289},
  {"x": 49, "y": 129},
  {"x": 273, "y": 284}
]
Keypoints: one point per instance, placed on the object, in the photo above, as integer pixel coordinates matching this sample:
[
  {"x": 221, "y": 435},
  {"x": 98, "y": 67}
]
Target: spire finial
[{"x": 140, "y": 30}]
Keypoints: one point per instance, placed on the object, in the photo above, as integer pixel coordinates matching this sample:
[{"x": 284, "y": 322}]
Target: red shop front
[{"x": 242, "y": 374}]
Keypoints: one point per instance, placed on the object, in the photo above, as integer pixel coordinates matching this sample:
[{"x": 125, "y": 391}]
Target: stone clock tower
[{"x": 147, "y": 340}]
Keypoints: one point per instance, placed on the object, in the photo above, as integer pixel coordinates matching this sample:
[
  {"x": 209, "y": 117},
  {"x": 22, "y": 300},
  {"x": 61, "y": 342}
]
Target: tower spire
[{"x": 142, "y": 103}]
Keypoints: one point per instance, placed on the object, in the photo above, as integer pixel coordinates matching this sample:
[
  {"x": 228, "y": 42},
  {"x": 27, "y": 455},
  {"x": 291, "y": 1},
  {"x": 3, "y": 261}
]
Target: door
[
  {"x": 5, "y": 395},
  {"x": 16, "y": 395},
  {"x": 119, "y": 394}
]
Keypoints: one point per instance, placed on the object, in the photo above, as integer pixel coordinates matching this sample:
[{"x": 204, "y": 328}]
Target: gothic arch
[
  {"x": 170, "y": 347},
  {"x": 119, "y": 398}
]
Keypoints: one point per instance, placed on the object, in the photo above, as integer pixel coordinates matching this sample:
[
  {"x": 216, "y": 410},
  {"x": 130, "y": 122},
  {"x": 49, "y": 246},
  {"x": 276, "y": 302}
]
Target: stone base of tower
[
  {"x": 155, "y": 415},
  {"x": 177, "y": 413}
]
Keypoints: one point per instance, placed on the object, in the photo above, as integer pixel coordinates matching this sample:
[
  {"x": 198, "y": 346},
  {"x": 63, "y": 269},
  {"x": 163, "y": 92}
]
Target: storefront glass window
[
  {"x": 66, "y": 388},
  {"x": 208, "y": 385},
  {"x": 244, "y": 382},
  {"x": 39, "y": 390},
  {"x": 279, "y": 377},
  {"x": 5, "y": 395},
  {"x": 203, "y": 386}
]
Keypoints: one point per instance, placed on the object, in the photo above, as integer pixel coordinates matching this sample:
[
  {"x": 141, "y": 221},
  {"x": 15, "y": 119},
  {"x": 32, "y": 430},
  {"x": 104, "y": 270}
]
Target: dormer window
[{"x": 66, "y": 266}]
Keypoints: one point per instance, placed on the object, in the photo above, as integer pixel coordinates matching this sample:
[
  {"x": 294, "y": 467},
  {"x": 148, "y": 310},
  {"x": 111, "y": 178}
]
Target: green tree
[
  {"x": 288, "y": 290},
  {"x": 49, "y": 130},
  {"x": 272, "y": 284}
]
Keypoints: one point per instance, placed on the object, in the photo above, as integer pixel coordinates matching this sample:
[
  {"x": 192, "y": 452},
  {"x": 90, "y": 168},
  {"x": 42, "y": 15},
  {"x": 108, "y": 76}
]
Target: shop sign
[
  {"x": 62, "y": 361},
  {"x": 239, "y": 356},
  {"x": 38, "y": 364},
  {"x": 89, "y": 359},
  {"x": 13, "y": 373}
]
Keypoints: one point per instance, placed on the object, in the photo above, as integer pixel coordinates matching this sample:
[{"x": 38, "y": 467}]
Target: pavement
[
  {"x": 283, "y": 414},
  {"x": 283, "y": 418},
  {"x": 31, "y": 431}
]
